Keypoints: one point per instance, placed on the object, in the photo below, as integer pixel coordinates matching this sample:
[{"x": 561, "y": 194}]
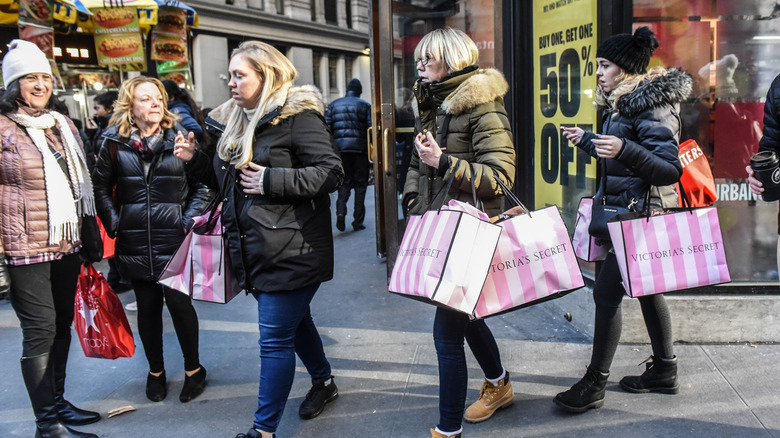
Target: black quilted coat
[
  {"x": 647, "y": 121},
  {"x": 153, "y": 208}
]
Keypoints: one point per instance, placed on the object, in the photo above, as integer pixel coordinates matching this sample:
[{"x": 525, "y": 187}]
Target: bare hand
[
  {"x": 91, "y": 124},
  {"x": 574, "y": 135},
  {"x": 607, "y": 146},
  {"x": 184, "y": 149},
  {"x": 428, "y": 149},
  {"x": 251, "y": 178},
  {"x": 755, "y": 185}
]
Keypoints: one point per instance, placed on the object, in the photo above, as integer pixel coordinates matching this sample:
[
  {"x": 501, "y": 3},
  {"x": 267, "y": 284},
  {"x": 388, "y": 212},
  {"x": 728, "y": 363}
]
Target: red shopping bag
[
  {"x": 697, "y": 176},
  {"x": 109, "y": 244},
  {"x": 99, "y": 318},
  {"x": 587, "y": 247}
]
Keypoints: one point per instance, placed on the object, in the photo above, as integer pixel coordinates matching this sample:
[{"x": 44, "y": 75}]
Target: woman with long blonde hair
[{"x": 275, "y": 165}]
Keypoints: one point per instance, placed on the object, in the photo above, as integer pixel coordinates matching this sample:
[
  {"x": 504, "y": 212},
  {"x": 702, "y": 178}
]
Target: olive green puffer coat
[{"x": 466, "y": 113}]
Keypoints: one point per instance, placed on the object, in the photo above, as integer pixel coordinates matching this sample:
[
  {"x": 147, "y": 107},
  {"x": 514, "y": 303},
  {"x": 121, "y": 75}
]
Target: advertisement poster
[
  {"x": 43, "y": 37},
  {"x": 565, "y": 41},
  {"x": 171, "y": 20},
  {"x": 35, "y": 12},
  {"x": 178, "y": 72},
  {"x": 169, "y": 47},
  {"x": 118, "y": 39}
]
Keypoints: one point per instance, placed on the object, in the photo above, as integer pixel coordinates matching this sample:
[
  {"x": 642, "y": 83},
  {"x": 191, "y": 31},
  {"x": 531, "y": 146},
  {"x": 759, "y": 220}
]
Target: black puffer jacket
[
  {"x": 281, "y": 240},
  {"x": 771, "y": 139},
  {"x": 647, "y": 121},
  {"x": 153, "y": 208},
  {"x": 348, "y": 119}
]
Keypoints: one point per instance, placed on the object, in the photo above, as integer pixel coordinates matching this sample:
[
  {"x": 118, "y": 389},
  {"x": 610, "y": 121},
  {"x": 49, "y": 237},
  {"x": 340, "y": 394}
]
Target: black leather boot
[
  {"x": 660, "y": 376},
  {"x": 37, "y": 375},
  {"x": 586, "y": 394},
  {"x": 66, "y": 412}
]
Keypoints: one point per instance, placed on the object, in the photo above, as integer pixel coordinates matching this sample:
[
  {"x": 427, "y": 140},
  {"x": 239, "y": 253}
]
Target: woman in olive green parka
[{"x": 462, "y": 125}]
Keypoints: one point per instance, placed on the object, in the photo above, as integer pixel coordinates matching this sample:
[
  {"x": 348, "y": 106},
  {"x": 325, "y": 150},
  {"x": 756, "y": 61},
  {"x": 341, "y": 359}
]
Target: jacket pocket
[{"x": 275, "y": 216}]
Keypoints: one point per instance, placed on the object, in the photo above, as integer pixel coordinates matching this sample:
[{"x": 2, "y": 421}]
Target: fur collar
[
  {"x": 668, "y": 88},
  {"x": 298, "y": 99},
  {"x": 485, "y": 85}
]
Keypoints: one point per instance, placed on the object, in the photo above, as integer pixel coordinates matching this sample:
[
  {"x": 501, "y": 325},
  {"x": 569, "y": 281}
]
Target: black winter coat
[
  {"x": 771, "y": 139},
  {"x": 348, "y": 119},
  {"x": 281, "y": 240},
  {"x": 649, "y": 125},
  {"x": 152, "y": 210}
]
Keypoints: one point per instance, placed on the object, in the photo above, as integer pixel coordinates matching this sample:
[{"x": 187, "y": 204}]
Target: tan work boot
[
  {"x": 491, "y": 399},
  {"x": 435, "y": 434}
]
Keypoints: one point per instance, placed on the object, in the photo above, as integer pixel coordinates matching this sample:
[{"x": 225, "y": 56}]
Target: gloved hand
[{"x": 5, "y": 277}]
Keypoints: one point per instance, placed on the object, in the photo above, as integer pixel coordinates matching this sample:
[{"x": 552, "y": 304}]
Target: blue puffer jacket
[
  {"x": 348, "y": 119},
  {"x": 647, "y": 121},
  {"x": 188, "y": 121}
]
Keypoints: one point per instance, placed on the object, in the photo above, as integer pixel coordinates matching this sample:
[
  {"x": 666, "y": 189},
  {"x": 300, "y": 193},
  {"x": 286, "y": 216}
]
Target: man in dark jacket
[{"x": 349, "y": 119}]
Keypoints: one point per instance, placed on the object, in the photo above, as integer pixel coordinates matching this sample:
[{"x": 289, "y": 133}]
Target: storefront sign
[{"x": 564, "y": 83}]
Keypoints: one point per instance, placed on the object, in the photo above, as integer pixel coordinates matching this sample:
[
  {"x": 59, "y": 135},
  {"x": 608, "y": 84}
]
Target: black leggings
[
  {"x": 149, "y": 296},
  {"x": 608, "y": 294},
  {"x": 42, "y": 295}
]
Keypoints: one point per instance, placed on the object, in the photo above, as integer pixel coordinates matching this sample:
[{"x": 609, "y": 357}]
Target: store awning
[{"x": 78, "y": 12}]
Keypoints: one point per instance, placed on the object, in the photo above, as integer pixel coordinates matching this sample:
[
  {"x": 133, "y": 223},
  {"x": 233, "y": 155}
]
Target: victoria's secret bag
[{"x": 602, "y": 212}]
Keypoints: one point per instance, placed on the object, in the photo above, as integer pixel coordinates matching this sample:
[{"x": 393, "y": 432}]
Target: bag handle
[
  {"x": 509, "y": 194},
  {"x": 448, "y": 186}
]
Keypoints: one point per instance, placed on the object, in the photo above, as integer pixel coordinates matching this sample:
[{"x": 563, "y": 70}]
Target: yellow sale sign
[{"x": 564, "y": 87}]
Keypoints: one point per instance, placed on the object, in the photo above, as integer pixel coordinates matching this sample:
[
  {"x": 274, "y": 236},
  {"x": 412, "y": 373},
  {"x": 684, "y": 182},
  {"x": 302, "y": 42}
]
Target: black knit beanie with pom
[{"x": 630, "y": 52}]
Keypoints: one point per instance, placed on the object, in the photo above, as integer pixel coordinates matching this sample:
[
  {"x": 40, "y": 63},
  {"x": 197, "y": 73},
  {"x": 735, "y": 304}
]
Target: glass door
[{"x": 396, "y": 28}]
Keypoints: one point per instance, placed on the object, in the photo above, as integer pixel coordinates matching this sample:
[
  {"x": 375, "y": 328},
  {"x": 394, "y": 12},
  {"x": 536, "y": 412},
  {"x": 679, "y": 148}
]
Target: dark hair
[
  {"x": 9, "y": 100},
  {"x": 179, "y": 94},
  {"x": 107, "y": 99}
]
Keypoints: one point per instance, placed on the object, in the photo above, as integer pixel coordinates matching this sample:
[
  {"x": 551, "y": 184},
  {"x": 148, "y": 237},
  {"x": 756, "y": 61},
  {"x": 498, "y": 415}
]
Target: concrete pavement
[{"x": 381, "y": 349}]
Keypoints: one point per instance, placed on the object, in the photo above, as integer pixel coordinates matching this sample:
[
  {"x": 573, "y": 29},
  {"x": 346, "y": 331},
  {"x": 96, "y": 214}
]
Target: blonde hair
[
  {"x": 276, "y": 75},
  {"x": 626, "y": 83},
  {"x": 123, "y": 107},
  {"x": 451, "y": 46}
]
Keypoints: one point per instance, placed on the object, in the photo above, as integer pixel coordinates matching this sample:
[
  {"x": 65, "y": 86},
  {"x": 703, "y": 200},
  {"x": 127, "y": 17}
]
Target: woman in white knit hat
[{"x": 45, "y": 189}]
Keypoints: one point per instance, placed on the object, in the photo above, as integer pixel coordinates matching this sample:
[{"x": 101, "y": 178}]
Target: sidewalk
[{"x": 381, "y": 348}]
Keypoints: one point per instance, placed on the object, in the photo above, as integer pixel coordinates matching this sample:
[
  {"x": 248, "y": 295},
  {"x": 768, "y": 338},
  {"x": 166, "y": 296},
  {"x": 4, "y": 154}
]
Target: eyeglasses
[{"x": 424, "y": 61}]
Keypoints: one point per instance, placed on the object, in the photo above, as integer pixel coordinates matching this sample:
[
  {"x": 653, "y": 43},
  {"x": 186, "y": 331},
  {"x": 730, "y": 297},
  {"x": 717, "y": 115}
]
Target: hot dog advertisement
[
  {"x": 171, "y": 20},
  {"x": 169, "y": 47},
  {"x": 35, "y": 12},
  {"x": 119, "y": 49},
  {"x": 115, "y": 20}
]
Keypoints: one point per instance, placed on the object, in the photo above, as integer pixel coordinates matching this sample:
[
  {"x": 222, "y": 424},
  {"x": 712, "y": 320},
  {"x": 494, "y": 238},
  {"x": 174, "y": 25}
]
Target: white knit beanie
[{"x": 22, "y": 58}]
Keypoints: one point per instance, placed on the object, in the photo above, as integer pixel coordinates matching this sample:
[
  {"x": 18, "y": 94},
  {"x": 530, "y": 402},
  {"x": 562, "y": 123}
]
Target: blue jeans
[
  {"x": 286, "y": 329},
  {"x": 450, "y": 328}
]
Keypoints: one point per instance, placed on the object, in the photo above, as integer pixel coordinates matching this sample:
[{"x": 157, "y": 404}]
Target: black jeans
[
  {"x": 608, "y": 295},
  {"x": 42, "y": 295},
  {"x": 149, "y": 296},
  {"x": 356, "y": 170}
]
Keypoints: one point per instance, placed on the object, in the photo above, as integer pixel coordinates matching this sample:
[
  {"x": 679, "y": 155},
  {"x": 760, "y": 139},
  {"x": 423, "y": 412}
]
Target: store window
[
  {"x": 331, "y": 12},
  {"x": 730, "y": 49}
]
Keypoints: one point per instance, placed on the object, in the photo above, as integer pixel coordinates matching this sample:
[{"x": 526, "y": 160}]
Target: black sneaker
[{"x": 320, "y": 394}]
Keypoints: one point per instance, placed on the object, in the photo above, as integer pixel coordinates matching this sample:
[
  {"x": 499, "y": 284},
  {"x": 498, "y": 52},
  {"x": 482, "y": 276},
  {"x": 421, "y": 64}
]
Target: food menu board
[
  {"x": 169, "y": 38},
  {"x": 118, "y": 37}
]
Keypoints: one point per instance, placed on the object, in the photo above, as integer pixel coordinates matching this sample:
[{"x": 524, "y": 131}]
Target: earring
[{"x": 132, "y": 121}]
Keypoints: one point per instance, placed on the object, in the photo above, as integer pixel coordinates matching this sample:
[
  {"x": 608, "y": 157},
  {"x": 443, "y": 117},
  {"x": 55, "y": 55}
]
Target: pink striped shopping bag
[
  {"x": 586, "y": 247},
  {"x": 677, "y": 249},
  {"x": 534, "y": 262},
  {"x": 444, "y": 258}
]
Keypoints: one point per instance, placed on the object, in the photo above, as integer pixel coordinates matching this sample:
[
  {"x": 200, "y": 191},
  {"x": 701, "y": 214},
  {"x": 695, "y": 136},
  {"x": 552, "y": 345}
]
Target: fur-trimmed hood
[
  {"x": 294, "y": 101},
  {"x": 472, "y": 88},
  {"x": 670, "y": 87}
]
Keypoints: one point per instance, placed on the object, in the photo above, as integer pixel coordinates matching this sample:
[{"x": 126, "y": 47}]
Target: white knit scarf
[{"x": 68, "y": 196}]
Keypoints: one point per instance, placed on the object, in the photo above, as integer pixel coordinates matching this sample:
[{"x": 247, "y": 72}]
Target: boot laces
[{"x": 490, "y": 391}]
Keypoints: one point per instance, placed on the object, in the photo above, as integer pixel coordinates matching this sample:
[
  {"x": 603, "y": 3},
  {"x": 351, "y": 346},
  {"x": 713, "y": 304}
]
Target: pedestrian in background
[
  {"x": 640, "y": 143},
  {"x": 43, "y": 169},
  {"x": 349, "y": 119},
  {"x": 476, "y": 149},
  {"x": 154, "y": 206},
  {"x": 769, "y": 142},
  {"x": 275, "y": 166},
  {"x": 183, "y": 105}
]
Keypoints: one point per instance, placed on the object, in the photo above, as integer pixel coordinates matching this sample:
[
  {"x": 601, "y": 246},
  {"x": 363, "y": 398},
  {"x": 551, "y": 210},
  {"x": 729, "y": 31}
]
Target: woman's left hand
[
  {"x": 428, "y": 149},
  {"x": 607, "y": 146},
  {"x": 252, "y": 179}
]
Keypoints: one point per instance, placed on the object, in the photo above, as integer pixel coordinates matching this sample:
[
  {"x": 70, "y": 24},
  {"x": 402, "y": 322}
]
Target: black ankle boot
[
  {"x": 660, "y": 376},
  {"x": 322, "y": 392},
  {"x": 66, "y": 412},
  {"x": 156, "y": 389},
  {"x": 194, "y": 385},
  {"x": 586, "y": 394},
  {"x": 37, "y": 375}
]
